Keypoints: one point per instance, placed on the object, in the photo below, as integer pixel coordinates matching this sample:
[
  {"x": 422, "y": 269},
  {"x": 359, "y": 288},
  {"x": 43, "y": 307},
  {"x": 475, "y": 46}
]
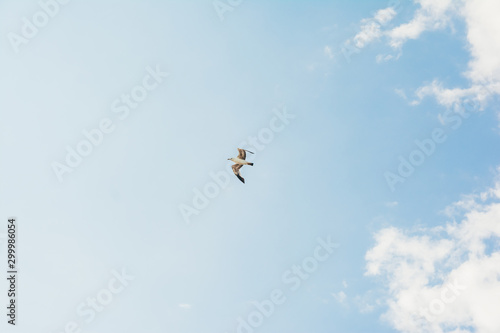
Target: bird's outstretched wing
[
  {"x": 242, "y": 154},
  {"x": 236, "y": 170}
]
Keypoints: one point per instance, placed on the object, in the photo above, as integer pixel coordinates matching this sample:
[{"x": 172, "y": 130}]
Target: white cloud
[
  {"x": 366, "y": 303},
  {"x": 185, "y": 306},
  {"x": 443, "y": 279},
  {"x": 370, "y": 31},
  {"x": 340, "y": 296},
  {"x": 472, "y": 201},
  {"x": 432, "y": 15},
  {"x": 385, "y": 57},
  {"x": 371, "y": 28},
  {"x": 483, "y": 37},
  {"x": 383, "y": 16},
  {"x": 483, "y": 43}
]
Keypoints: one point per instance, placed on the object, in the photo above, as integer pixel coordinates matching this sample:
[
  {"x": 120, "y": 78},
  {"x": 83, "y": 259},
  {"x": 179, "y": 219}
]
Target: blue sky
[{"x": 330, "y": 125}]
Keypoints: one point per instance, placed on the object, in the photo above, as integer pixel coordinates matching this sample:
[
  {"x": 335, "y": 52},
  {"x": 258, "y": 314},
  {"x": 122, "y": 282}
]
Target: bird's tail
[{"x": 251, "y": 164}]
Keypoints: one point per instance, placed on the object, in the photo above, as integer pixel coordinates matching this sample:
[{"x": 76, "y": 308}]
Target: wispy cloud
[
  {"x": 371, "y": 28},
  {"x": 391, "y": 204},
  {"x": 340, "y": 297},
  {"x": 328, "y": 52},
  {"x": 432, "y": 15}
]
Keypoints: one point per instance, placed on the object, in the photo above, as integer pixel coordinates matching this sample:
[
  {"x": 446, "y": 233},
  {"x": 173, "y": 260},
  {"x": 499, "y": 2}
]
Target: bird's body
[{"x": 240, "y": 162}]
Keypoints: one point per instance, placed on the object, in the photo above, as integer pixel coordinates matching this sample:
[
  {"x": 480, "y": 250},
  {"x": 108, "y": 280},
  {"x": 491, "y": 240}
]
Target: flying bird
[{"x": 240, "y": 161}]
